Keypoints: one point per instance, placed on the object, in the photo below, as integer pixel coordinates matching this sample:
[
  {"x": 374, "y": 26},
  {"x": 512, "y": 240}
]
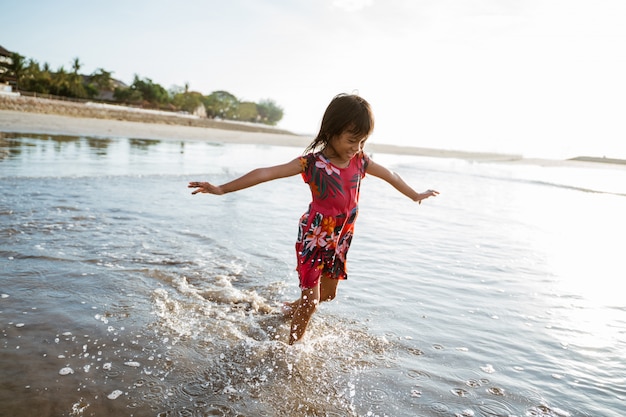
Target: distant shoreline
[
  {"x": 44, "y": 116},
  {"x": 602, "y": 160},
  {"x": 119, "y": 112}
]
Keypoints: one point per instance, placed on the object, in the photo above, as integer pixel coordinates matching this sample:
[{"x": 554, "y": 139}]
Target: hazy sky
[{"x": 539, "y": 77}]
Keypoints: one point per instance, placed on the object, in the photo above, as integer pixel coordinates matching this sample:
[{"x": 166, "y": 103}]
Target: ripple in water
[
  {"x": 417, "y": 374},
  {"x": 439, "y": 408},
  {"x": 495, "y": 408},
  {"x": 377, "y": 396}
]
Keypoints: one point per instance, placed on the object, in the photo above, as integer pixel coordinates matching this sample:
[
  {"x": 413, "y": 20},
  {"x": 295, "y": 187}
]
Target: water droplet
[
  {"x": 488, "y": 369},
  {"x": 460, "y": 392},
  {"x": 114, "y": 395},
  {"x": 496, "y": 391}
]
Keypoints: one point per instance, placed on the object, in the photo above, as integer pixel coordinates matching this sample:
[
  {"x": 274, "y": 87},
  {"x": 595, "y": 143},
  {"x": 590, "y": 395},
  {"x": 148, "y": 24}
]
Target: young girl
[{"x": 334, "y": 174}]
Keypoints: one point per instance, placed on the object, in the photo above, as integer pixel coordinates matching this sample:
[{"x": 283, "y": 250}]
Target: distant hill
[{"x": 603, "y": 160}]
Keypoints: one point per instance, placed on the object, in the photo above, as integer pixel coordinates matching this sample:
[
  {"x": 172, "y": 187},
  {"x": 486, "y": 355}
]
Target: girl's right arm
[{"x": 250, "y": 179}]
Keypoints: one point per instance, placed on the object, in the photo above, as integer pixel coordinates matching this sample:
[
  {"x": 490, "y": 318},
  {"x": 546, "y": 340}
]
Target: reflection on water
[
  {"x": 121, "y": 294},
  {"x": 76, "y": 156},
  {"x": 70, "y": 156}
]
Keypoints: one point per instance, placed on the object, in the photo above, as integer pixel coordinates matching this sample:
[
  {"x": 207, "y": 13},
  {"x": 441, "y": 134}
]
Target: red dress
[{"x": 326, "y": 229}]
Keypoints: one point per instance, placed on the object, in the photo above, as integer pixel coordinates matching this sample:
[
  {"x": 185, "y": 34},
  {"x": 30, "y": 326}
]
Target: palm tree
[
  {"x": 16, "y": 68},
  {"x": 102, "y": 79},
  {"x": 76, "y": 87},
  {"x": 76, "y": 65}
]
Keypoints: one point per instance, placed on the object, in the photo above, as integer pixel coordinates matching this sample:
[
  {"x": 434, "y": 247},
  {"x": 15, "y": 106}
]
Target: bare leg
[
  {"x": 328, "y": 291},
  {"x": 290, "y": 307},
  {"x": 302, "y": 309},
  {"x": 328, "y": 288},
  {"x": 306, "y": 307}
]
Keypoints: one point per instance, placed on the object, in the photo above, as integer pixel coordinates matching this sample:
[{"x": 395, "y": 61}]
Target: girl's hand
[
  {"x": 426, "y": 194},
  {"x": 205, "y": 187}
]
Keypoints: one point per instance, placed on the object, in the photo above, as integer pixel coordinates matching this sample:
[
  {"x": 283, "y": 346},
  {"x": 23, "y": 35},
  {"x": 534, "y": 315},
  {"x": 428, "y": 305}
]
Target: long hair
[{"x": 345, "y": 112}]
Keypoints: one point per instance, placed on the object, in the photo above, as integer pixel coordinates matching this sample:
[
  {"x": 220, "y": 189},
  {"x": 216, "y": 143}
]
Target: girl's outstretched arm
[
  {"x": 398, "y": 183},
  {"x": 250, "y": 179}
]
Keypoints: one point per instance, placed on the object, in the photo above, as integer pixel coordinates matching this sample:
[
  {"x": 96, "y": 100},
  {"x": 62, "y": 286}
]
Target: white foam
[
  {"x": 66, "y": 371},
  {"x": 114, "y": 394},
  {"x": 488, "y": 369}
]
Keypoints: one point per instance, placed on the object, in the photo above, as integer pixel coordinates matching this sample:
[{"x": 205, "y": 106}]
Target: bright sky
[{"x": 537, "y": 77}]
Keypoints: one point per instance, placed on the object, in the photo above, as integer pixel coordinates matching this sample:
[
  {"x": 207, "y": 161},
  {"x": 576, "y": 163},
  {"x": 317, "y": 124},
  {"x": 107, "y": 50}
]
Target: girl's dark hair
[{"x": 345, "y": 112}]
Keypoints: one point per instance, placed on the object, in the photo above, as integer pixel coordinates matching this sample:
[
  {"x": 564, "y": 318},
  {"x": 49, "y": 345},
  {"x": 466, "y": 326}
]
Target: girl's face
[{"x": 346, "y": 145}]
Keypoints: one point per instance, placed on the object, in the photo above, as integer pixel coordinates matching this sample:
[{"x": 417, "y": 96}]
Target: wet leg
[
  {"x": 307, "y": 305},
  {"x": 328, "y": 291},
  {"x": 290, "y": 307},
  {"x": 328, "y": 288}
]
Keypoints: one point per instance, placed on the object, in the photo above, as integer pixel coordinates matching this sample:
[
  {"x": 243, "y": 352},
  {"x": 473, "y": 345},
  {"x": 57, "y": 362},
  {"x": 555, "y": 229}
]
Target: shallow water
[{"x": 122, "y": 294}]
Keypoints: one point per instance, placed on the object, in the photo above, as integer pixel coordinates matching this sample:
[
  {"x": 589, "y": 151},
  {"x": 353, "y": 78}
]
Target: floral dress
[{"x": 326, "y": 229}]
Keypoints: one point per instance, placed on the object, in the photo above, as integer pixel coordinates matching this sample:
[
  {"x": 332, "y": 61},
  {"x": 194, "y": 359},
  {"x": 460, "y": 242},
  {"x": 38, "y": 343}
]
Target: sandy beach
[
  {"x": 44, "y": 116},
  {"x": 29, "y": 115}
]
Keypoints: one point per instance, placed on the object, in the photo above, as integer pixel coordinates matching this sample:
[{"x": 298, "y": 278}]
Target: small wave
[{"x": 570, "y": 187}]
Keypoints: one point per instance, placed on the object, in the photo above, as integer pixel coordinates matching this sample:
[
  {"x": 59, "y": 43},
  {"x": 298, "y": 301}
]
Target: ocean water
[{"x": 122, "y": 294}]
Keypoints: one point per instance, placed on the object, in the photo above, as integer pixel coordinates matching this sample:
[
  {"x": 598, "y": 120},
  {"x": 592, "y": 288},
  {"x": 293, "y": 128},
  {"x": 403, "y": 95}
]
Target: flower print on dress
[
  {"x": 328, "y": 225},
  {"x": 313, "y": 237},
  {"x": 344, "y": 245},
  {"x": 327, "y": 166},
  {"x": 325, "y": 178},
  {"x": 316, "y": 238}
]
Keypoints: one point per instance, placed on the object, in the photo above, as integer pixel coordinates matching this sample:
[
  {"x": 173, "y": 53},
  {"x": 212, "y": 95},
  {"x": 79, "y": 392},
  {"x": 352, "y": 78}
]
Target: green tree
[
  {"x": 188, "y": 101},
  {"x": 60, "y": 83},
  {"x": 14, "y": 69},
  {"x": 102, "y": 79},
  {"x": 144, "y": 92},
  {"x": 221, "y": 104},
  {"x": 76, "y": 65},
  {"x": 35, "y": 79},
  {"x": 269, "y": 112},
  {"x": 127, "y": 95},
  {"x": 99, "y": 84},
  {"x": 75, "y": 80},
  {"x": 247, "y": 112},
  {"x": 151, "y": 92}
]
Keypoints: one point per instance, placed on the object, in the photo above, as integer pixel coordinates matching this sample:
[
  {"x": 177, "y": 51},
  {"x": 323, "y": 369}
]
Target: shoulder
[
  {"x": 308, "y": 160},
  {"x": 365, "y": 158},
  {"x": 363, "y": 161},
  {"x": 372, "y": 167}
]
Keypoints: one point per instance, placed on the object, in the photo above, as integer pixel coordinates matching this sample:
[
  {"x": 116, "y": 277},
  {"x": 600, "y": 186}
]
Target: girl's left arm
[{"x": 397, "y": 182}]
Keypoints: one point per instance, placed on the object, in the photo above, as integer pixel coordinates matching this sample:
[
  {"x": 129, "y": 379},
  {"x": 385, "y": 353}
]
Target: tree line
[{"x": 28, "y": 75}]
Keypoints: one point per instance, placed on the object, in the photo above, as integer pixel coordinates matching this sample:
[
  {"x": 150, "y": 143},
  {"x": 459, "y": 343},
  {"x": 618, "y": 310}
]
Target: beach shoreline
[{"x": 54, "y": 117}]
